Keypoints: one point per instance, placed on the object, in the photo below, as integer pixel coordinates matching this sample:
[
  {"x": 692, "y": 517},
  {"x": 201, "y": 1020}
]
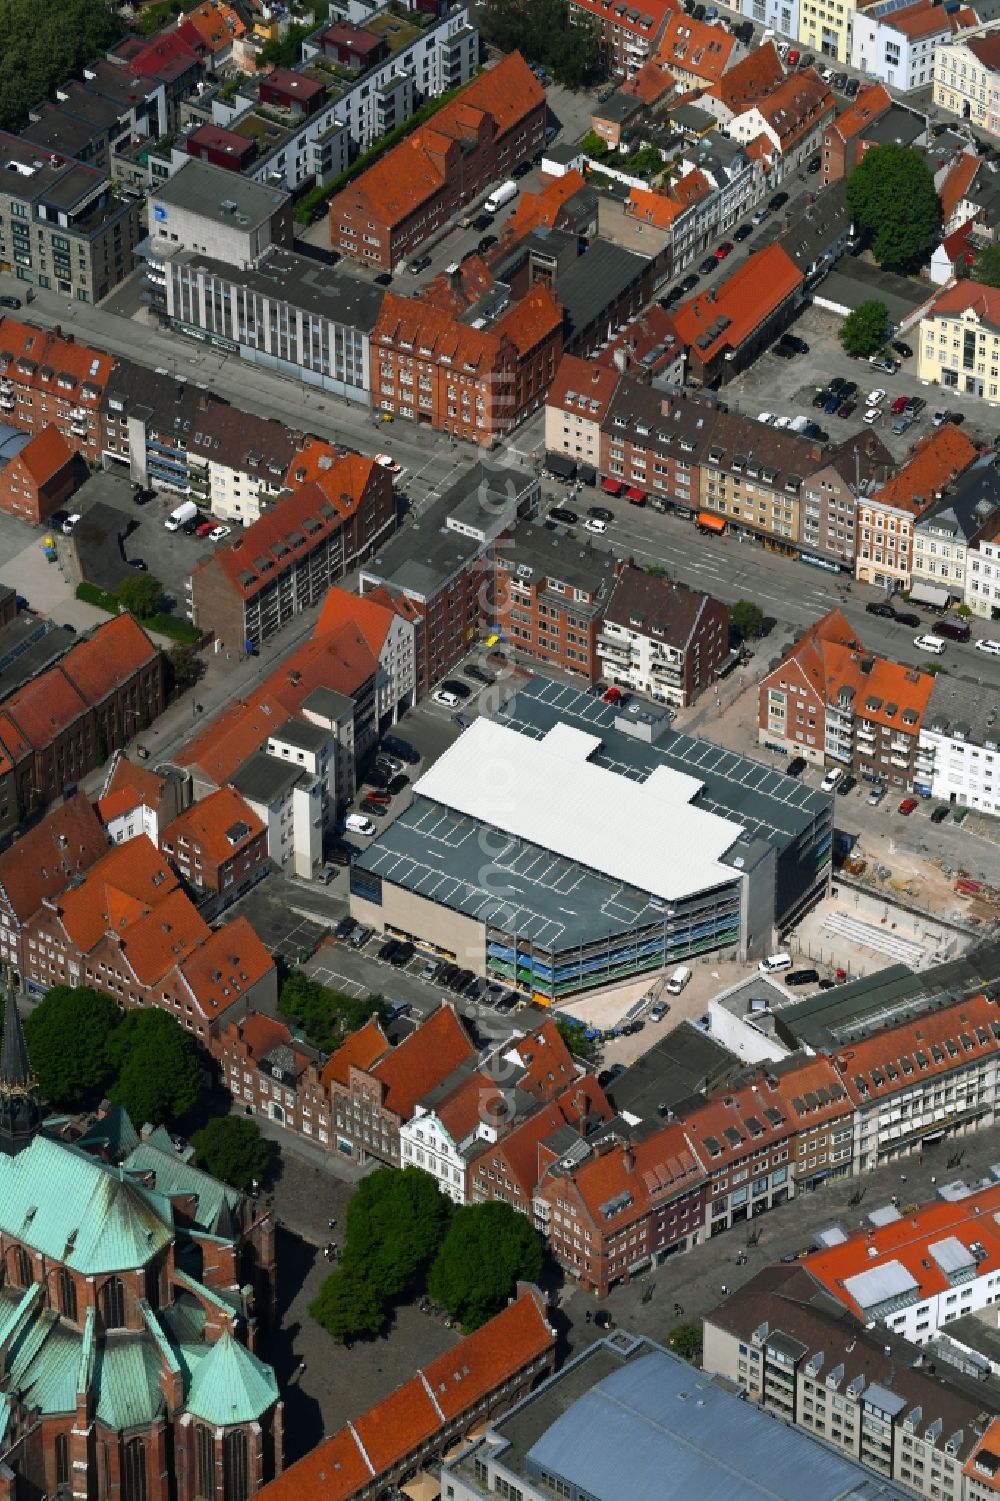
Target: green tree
[
  {"x": 594, "y": 145},
  {"x": 646, "y": 160},
  {"x": 575, "y": 1038},
  {"x": 866, "y": 329},
  {"x": 542, "y": 30},
  {"x": 159, "y": 1076},
  {"x": 183, "y": 666},
  {"x": 326, "y": 1016},
  {"x": 69, "y": 1036},
  {"x": 349, "y": 1308},
  {"x": 44, "y": 42},
  {"x": 745, "y": 619},
  {"x": 231, "y": 1147},
  {"x": 395, "y": 1222},
  {"x": 286, "y": 51},
  {"x": 141, "y": 594},
  {"x": 488, "y": 1248},
  {"x": 893, "y": 201},
  {"x": 986, "y": 266},
  {"x": 685, "y": 1341}
]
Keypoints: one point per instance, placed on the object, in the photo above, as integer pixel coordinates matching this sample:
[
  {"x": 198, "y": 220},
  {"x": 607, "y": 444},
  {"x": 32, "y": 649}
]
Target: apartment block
[
  {"x": 628, "y": 35},
  {"x": 958, "y": 756},
  {"x": 982, "y": 572},
  {"x": 829, "y": 700},
  {"x": 550, "y": 599},
  {"x": 287, "y": 560},
  {"x": 40, "y": 476},
  {"x": 959, "y": 346},
  {"x": 47, "y": 378},
  {"x": 899, "y": 46},
  {"x": 224, "y": 217},
  {"x": 496, "y": 122},
  {"x": 967, "y": 80},
  {"x": 945, "y": 534},
  {"x": 575, "y": 407},
  {"x": 792, "y": 116},
  {"x": 217, "y": 843},
  {"x": 661, "y": 638},
  {"x": 844, "y": 135},
  {"x": 63, "y": 226},
  {"x": 886, "y": 518}
]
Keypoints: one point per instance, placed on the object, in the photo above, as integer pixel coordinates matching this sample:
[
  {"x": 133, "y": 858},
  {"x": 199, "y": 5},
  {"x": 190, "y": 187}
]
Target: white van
[
  {"x": 357, "y": 823},
  {"x": 678, "y": 980},
  {"x": 933, "y": 644},
  {"x": 775, "y": 962},
  {"x": 831, "y": 779}
]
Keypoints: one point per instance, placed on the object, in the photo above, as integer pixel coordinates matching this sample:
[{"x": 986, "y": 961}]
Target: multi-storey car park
[{"x": 565, "y": 844}]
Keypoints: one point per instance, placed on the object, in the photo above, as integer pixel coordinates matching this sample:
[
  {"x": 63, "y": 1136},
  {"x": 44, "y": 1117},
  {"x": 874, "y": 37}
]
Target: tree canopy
[
  {"x": 986, "y": 266},
  {"x": 893, "y": 201},
  {"x": 542, "y": 30},
  {"x": 141, "y": 594},
  {"x": 685, "y": 1341},
  {"x": 326, "y": 1016},
  {"x": 349, "y": 1308},
  {"x": 44, "y": 42},
  {"x": 231, "y": 1148},
  {"x": 746, "y": 619},
  {"x": 395, "y": 1222},
  {"x": 865, "y": 329},
  {"x": 159, "y": 1076},
  {"x": 487, "y": 1249},
  {"x": 69, "y": 1037}
]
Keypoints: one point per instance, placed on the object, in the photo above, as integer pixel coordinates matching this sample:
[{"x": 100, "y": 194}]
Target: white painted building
[
  {"x": 982, "y": 575},
  {"x": 896, "y": 44},
  {"x": 291, "y": 802},
  {"x": 958, "y": 754}
]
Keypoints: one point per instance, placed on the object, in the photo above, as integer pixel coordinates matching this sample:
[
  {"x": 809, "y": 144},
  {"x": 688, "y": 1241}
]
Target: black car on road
[{"x": 886, "y": 611}]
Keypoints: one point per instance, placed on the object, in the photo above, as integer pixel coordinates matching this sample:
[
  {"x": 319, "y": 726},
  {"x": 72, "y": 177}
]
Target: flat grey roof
[
  {"x": 560, "y": 555},
  {"x": 329, "y": 703},
  {"x": 898, "y": 126},
  {"x": 594, "y": 281},
  {"x": 682, "y": 1065},
  {"x": 627, "y": 1413},
  {"x": 426, "y": 553},
  {"x": 28, "y": 645},
  {"x": 262, "y": 778},
  {"x": 203, "y": 189},
  {"x": 831, "y": 1018},
  {"x": 300, "y": 281},
  {"x": 853, "y": 282},
  {"x": 302, "y": 734},
  {"x": 770, "y": 805},
  {"x": 960, "y": 705}
]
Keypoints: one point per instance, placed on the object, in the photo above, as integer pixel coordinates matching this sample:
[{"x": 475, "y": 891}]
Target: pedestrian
[
  {"x": 589, "y": 1315},
  {"x": 302, "y": 1366}
]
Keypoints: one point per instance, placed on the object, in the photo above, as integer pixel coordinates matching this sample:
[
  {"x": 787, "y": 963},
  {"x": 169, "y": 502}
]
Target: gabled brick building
[
  {"x": 217, "y": 843},
  {"x": 61, "y": 848},
  {"x": 885, "y": 519},
  {"x": 287, "y": 560},
  {"x": 744, "y": 1135},
  {"x": 511, "y": 1169},
  {"x": 41, "y": 476},
  {"x": 46, "y": 377},
  {"x": 476, "y": 140}
]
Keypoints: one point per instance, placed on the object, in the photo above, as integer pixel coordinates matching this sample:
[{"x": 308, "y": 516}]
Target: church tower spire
[{"x": 19, "y": 1113}]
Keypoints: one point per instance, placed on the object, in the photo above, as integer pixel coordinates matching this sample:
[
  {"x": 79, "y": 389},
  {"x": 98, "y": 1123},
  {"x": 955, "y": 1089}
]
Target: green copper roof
[
  {"x": 173, "y": 1175},
  {"x": 229, "y": 1385},
  {"x": 77, "y": 1210},
  {"x": 127, "y": 1379},
  {"x": 115, "y": 1131}
]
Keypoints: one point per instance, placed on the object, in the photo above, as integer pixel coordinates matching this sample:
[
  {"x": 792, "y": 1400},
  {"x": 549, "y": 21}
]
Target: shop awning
[
  {"x": 711, "y": 523},
  {"x": 634, "y": 493},
  {"x": 612, "y": 486},
  {"x": 560, "y": 464},
  {"x": 422, "y": 1487},
  {"x": 929, "y": 594}
]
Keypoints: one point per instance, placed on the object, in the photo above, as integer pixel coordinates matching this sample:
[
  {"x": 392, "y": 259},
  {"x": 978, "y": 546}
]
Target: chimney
[
  {"x": 628, "y": 1158},
  {"x": 56, "y": 331}
]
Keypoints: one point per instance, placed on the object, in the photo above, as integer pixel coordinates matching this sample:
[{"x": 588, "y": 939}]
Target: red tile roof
[
  {"x": 968, "y": 1026},
  {"x": 745, "y": 1119},
  {"x": 986, "y": 49},
  {"x": 583, "y": 387},
  {"x": 112, "y": 654},
  {"x": 42, "y": 861},
  {"x": 631, "y": 20},
  {"x": 908, "y": 1242},
  {"x": 439, "y": 1394},
  {"x": 372, "y": 619},
  {"x": 262, "y": 1033},
  {"x": 761, "y": 284},
  {"x": 532, "y": 320},
  {"x": 795, "y": 106},
  {"x": 422, "y": 1060},
  {"x": 137, "y": 782},
  {"x": 411, "y": 321},
  {"x": 521, "y": 1148},
  {"x": 546, "y": 1060},
  {"x": 412, "y": 172},
  {"x": 664, "y": 1162},
  {"x": 216, "y": 23},
  {"x": 662, "y": 208},
  {"x": 652, "y": 82},
  {"x": 937, "y": 460},
  {"x": 924, "y": 19},
  {"x": 43, "y": 349},
  {"x": 46, "y": 454},
  {"x": 983, "y": 1464},
  {"x": 749, "y": 80},
  {"x": 162, "y": 937},
  {"x": 225, "y": 966},
  {"x": 361, "y": 1050},
  {"x": 961, "y": 176},
  {"x": 700, "y": 48},
  {"x": 130, "y": 880},
  {"x": 221, "y": 824},
  {"x": 871, "y": 103},
  {"x": 543, "y": 207},
  {"x": 984, "y": 301}
]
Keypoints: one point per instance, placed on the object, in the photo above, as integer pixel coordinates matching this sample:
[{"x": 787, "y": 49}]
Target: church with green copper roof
[{"x": 132, "y": 1288}]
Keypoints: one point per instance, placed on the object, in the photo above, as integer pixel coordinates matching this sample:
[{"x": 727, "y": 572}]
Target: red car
[
  {"x": 793, "y": 59},
  {"x": 203, "y": 528},
  {"x": 907, "y": 806},
  {"x": 726, "y": 248},
  {"x": 899, "y": 405},
  {"x": 612, "y": 696}
]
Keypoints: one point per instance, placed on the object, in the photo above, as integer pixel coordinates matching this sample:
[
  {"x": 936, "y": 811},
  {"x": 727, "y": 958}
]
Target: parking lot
[{"x": 787, "y": 387}]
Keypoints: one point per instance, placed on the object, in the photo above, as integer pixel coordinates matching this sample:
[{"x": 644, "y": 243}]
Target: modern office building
[
  {"x": 207, "y": 209},
  {"x": 565, "y": 844}
]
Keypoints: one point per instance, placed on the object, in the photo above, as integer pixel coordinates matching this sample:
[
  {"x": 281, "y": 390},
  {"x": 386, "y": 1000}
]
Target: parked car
[
  {"x": 910, "y": 621},
  {"x": 814, "y": 166},
  {"x": 721, "y": 251},
  {"x": 456, "y": 686},
  {"x": 418, "y": 264},
  {"x": 139, "y": 564},
  {"x": 875, "y": 796},
  {"x": 487, "y": 243},
  {"x": 777, "y": 200},
  {"x": 564, "y": 516},
  {"x": 360, "y": 937},
  {"x": 833, "y": 402},
  {"x": 991, "y": 648},
  {"x": 345, "y": 928},
  {"x": 444, "y": 698},
  {"x": 402, "y": 955},
  {"x": 886, "y": 611},
  {"x": 372, "y": 808},
  {"x": 783, "y": 351},
  {"x": 821, "y": 398},
  {"x": 479, "y": 674},
  {"x": 387, "y": 949},
  {"x": 875, "y": 398},
  {"x": 796, "y": 766},
  {"x": 907, "y": 806},
  {"x": 847, "y": 409},
  {"x": 901, "y": 425},
  {"x": 401, "y": 748},
  {"x": 600, "y": 513},
  {"x": 792, "y": 59},
  {"x": 902, "y": 349},
  {"x": 482, "y": 221},
  {"x": 217, "y": 533},
  {"x": 742, "y": 233},
  {"x": 839, "y": 81},
  {"x": 707, "y": 265},
  {"x": 802, "y": 977},
  {"x": 940, "y": 813},
  {"x": 204, "y": 528},
  {"x": 847, "y": 785},
  {"x": 797, "y": 345},
  {"x": 851, "y": 88},
  {"x": 8, "y": 301},
  {"x": 597, "y": 528},
  {"x": 689, "y": 283},
  {"x": 929, "y": 643}
]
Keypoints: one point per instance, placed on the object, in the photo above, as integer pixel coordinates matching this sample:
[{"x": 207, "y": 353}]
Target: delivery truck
[
  {"x": 501, "y": 195},
  {"x": 185, "y": 512}
]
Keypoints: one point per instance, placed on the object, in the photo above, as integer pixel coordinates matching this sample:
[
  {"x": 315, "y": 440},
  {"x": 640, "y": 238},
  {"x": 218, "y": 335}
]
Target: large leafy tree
[
  {"x": 745, "y": 619},
  {"x": 142, "y": 594},
  {"x": 488, "y": 1248},
  {"x": 892, "y": 199},
  {"x": 326, "y": 1016},
  {"x": 541, "y": 30},
  {"x": 69, "y": 1036},
  {"x": 231, "y": 1148},
  {"x": 44, "y": 42},
  {"x": 349, "y": 1308},
  {"x": 159, "y": 1076},
  {"x": 986, "y": 266},
  {"x": 395, "y": 1222},
  {"x": 866, "y": 328}
]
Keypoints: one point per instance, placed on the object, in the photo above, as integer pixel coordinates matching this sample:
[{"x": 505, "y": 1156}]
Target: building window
[
  {"x": 67, "y": 1294},
  {"x": 134, "y": 1463},
  {"x": 62, "y": 1459},
  {"x": 22, "y": 1267},
  {"x": 113, "y": 1303},
  {"x": 205, "y": 1458},
  {"x": 234, "y": 1466}
]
